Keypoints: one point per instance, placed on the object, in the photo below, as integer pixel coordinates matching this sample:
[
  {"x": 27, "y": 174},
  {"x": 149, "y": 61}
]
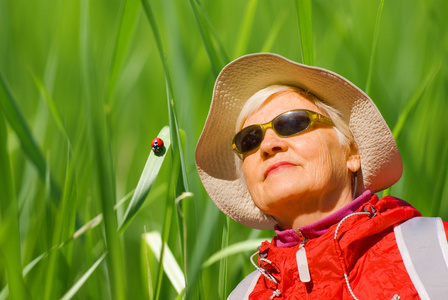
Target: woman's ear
[{"x": 353, "y": 159}]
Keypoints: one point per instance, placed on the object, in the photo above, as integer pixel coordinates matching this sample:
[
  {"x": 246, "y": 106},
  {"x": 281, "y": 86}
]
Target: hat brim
[{"x": 381, "y": 164}]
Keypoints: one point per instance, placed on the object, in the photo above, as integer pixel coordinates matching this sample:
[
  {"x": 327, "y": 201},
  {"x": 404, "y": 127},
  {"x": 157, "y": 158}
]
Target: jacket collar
[{"x": 290, "y": 237}]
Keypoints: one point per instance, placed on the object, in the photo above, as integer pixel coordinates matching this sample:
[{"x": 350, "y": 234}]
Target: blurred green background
[{"x": 84, "y": 92}]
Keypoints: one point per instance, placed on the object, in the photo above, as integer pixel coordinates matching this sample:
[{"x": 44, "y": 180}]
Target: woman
[{"x": 302, "y": 149}]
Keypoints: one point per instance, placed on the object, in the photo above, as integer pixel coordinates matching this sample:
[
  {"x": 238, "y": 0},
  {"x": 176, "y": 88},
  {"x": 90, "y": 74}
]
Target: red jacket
[{"x": 365, "y": 249}]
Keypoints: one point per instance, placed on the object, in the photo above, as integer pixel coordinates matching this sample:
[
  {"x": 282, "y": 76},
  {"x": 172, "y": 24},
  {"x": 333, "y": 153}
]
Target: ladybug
[{"x": 157, "y": 145}]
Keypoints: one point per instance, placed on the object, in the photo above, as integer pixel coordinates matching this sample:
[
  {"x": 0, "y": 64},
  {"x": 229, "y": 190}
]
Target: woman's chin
[
  {"x": 275, "y": 199},
  {"x": 290, "y": 186}
]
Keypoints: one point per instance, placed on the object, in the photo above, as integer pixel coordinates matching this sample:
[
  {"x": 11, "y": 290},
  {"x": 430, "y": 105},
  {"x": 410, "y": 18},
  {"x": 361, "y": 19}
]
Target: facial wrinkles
[
  {"x": 312, "y": 162},
  {"x": 333, "y": 155}
]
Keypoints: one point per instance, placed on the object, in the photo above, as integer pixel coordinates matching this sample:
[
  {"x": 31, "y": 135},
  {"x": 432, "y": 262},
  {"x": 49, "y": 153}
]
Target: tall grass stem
[{"x": 374, "y": 47}]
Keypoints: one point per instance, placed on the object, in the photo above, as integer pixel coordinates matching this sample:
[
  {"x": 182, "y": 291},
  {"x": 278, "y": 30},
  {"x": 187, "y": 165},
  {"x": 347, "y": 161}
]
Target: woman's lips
[{"x": 277, "y": 167}]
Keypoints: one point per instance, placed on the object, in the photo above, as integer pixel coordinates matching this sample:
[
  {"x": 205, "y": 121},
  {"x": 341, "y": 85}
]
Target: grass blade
[
  {"x": 75, "y": 288},
  {"x": 10, "y": 250},
  {"x": 213, "y": 46},
  {"x": 374, "y": 43},
  {"x": 149, "y": 175},
  {"x": 126, "y": 31},
  {"x": 248, "y": 21},
  {"x": 52, "y": 107},
  {"x": 248, "y": 245},
  {"x": 304, "y": 15},
  {"x": 154, "y": 242},
  {"x": 174, "y": 129},
  {"x": 403, "y": 118},
  {"x": 178, "y": 163},
  {"x": 67, "y": 215},
  {"x": 440, "y": 184},
  {"x": 39, "y": 127},
  {"x": 21, "y": 128},
  {"x": 55, "y": 272},
  {"x": 18, "y": 123},
  {"x": 102, "y": 158},
  {"x": 68, "y": 205},
  {"x": 208, "y": 228},
  {"x": 273, "y": 34},
  {"x": 166, "y": 231},
  {"x": 222, "y": 280}
]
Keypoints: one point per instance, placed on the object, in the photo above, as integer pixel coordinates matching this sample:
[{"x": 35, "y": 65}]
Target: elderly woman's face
[{"x": 300, "y": 175}]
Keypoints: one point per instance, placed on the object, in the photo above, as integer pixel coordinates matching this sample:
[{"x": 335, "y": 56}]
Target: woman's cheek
[{"x": 249, "y": 174}]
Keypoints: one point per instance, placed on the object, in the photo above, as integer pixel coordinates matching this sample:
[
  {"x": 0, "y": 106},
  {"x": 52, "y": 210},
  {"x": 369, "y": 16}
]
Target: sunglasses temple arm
[{"x": 323, "y": 119}]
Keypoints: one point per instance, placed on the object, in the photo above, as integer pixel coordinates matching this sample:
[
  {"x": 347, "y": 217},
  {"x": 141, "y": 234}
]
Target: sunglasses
[{"x": 286, "y": 124}]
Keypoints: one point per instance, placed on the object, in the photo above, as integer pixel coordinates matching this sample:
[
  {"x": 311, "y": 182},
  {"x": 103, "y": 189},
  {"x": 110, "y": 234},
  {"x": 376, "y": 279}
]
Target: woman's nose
[{"x": 272, "y": 144}]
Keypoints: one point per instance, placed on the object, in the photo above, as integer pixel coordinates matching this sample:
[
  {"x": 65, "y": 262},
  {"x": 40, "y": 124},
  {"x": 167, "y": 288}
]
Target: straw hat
[{"x": 381, "y": 164}]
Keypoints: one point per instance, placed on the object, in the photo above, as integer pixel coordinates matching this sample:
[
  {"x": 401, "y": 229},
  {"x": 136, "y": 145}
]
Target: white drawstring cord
[
  {"x": 336, "y": 237},
  {"x": 395, "y": 297},
  {"x": 271, "y": 278},
  {"x": 345, "y": 218},
  {"x": 276, "y": 293},
  {"x": 261, "y": 270},
  {"x": 349, "y": 287}
]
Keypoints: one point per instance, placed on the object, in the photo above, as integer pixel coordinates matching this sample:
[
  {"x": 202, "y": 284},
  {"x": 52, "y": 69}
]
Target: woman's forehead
[{"x": 279, "y": 104}]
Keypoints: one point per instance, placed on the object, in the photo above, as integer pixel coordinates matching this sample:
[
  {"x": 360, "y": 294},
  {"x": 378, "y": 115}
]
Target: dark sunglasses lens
[
  {"x": 291, "y": 123},
  {"x": 249, "y": 138}
]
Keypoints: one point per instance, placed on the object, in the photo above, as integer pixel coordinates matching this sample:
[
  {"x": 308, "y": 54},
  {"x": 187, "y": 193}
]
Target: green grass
[{"x": 86, "y": 86}]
